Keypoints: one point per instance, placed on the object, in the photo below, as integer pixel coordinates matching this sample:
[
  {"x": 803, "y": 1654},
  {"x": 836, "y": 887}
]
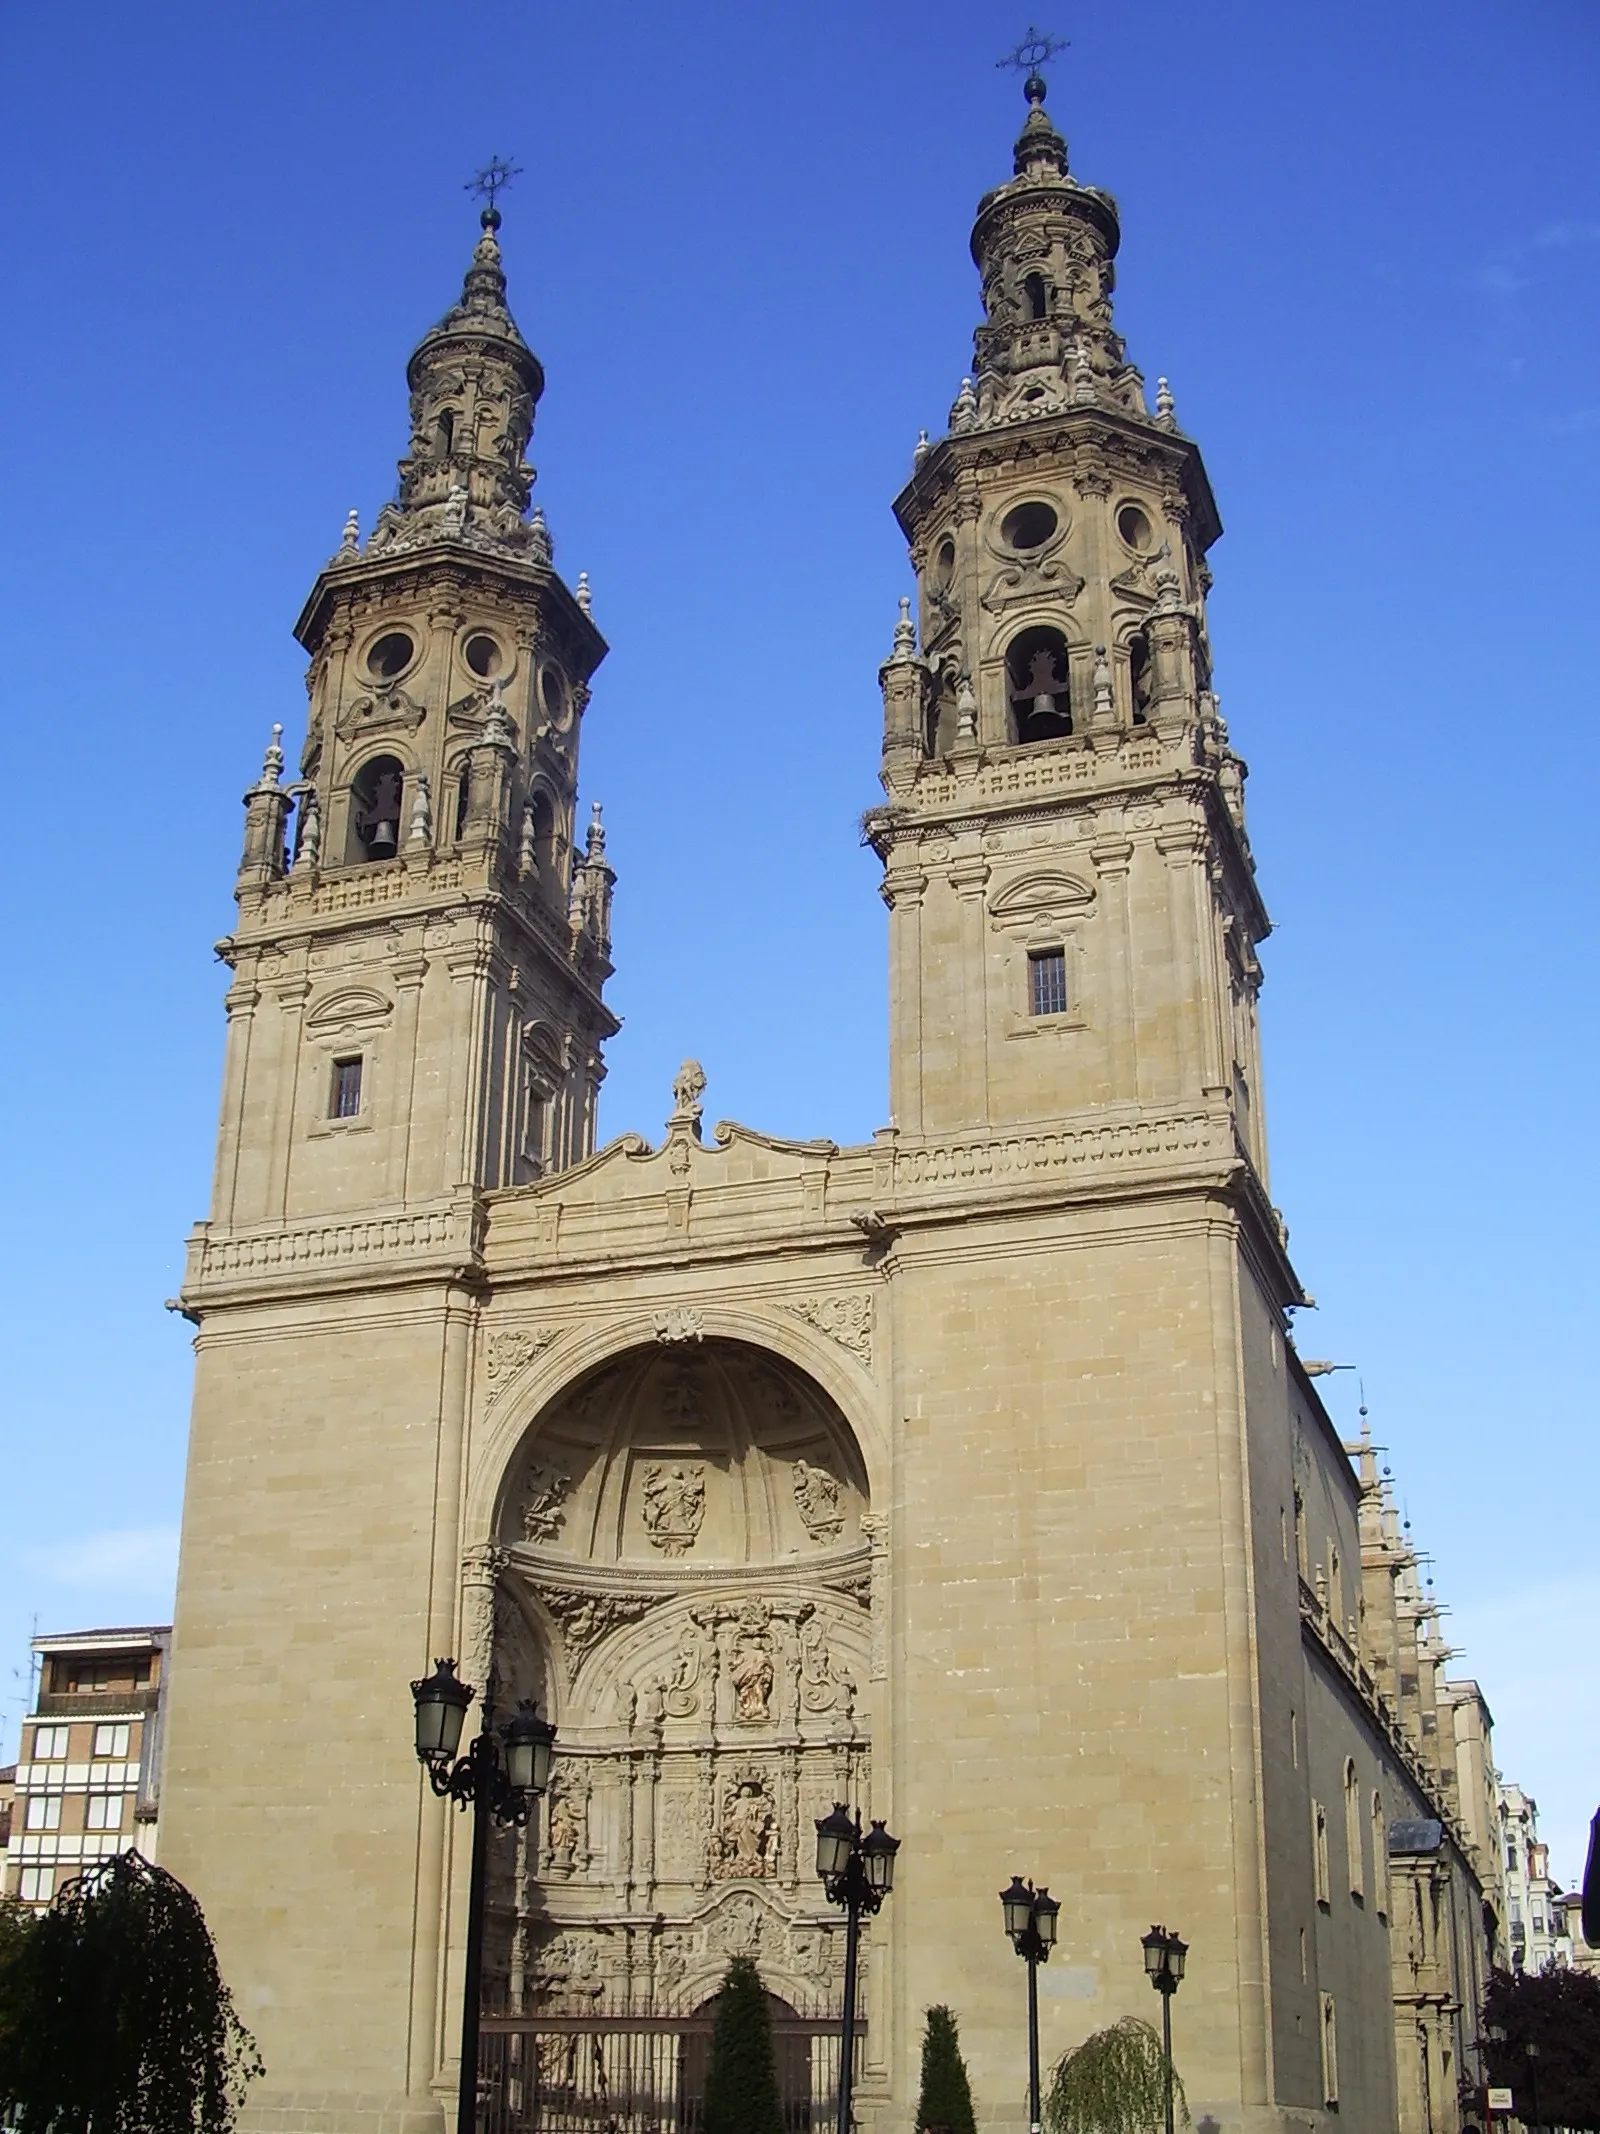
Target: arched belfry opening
[
  {"x": 1038, "y": 685},
  {"x": 686, "y": 1567},
  {"x": 377, "y": 795}
]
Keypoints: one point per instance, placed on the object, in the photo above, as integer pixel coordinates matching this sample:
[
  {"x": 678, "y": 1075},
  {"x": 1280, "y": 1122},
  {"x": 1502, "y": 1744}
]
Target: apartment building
[{"x": 87, "y": 1779}]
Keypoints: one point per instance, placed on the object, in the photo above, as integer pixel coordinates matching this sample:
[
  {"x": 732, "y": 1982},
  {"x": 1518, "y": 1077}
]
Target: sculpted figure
[
  {"x": 566, "y": 1832},
  {"x": 747, "y": 1831},
  {"x": 674, "y": 1507},
  {"x": 816, "y": 1496},
  {"x": 750, "y": 1670}
]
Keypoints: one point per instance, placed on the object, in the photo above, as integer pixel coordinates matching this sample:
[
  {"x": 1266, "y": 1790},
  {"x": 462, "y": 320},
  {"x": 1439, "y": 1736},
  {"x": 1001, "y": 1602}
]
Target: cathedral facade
[{"x": 969, "y": 1476}]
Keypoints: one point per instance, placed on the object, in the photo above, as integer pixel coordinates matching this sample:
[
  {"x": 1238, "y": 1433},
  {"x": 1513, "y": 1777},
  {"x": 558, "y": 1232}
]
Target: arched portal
[{"x": 686, "y": 1583}]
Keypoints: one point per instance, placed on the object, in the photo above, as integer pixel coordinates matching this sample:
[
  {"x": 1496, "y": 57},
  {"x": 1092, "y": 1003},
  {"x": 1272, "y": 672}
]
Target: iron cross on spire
[
  {"x": 1030, "y": 55},
  {"x": 494, "y": 177}
]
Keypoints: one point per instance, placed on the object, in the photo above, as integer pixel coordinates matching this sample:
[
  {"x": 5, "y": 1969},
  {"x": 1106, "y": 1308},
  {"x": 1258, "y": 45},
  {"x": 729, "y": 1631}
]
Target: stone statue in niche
[
  {"x": 816, "y": 1496},
  {"x": 542, "y": 1512},
  {"x": 826, "y": 1683},
  {"x": 565, "y": 1835},
  {"x": 683, "y": 1691},
  {"x": 674, "y": 1507},
  {"x": 750, "y": 1669},
  {"x": 747, "y": 1834},
  {"x": 645, "y": 1704}
]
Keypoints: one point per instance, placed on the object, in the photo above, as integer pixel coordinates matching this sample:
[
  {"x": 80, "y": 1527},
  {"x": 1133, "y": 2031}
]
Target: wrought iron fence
[{"x": 621, "y": 2074}]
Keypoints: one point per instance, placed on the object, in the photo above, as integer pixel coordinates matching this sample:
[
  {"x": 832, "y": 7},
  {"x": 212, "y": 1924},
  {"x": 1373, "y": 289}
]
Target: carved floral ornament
[
  {"x": 845, "y": 1317},
  {"x": 510, "y": 1348}
]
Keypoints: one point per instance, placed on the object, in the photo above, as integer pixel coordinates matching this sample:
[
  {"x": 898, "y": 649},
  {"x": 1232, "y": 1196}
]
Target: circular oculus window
[
  {"x": 944, "y": 563},
  {"x": 483, "y": 655},
  {"x": 391, "y": 655},
  {"x": 1028, "y": 526},
  {"x": 553, "y": 694},
  {"x": 1134, "y": 527}
]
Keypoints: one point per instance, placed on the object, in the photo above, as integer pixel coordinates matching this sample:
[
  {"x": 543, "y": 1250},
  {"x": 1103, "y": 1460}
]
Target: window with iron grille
[
  {"x": 346, "y": 1088},
  {"x": 1047, "y": 981}
]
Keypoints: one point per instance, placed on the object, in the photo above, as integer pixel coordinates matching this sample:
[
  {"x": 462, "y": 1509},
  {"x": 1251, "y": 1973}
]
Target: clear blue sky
[{"x": 1361, "y": 240}]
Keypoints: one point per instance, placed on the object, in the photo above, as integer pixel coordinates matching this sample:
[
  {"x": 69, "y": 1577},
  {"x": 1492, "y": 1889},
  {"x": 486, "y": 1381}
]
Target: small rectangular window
[
  {"x": 111, "y": 1741},
  {"x": 1047, "y": 981},
  {"x": 346, "y": 1088},
  {"x": 38, "y": 1885},
  {"x": 49, "y": 1743},
  {"x": 105, "y": 1811},
  {"x": 43, "y": 1812}
]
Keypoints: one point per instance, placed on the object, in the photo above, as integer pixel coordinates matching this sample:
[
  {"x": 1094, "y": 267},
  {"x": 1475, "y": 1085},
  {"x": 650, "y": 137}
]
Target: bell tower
[
  {"x": 1074, "y": 911},
  {"x": 422, "y": 942}
]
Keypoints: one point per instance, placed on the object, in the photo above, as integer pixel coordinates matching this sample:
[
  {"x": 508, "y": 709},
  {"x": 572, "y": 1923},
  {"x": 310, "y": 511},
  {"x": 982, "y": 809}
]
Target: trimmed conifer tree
[
  {"x": 945, "y": 2105},
  {"x": 742, "y": 2080}
]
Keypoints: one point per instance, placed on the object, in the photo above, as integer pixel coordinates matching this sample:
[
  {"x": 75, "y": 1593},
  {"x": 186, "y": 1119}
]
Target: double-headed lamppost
[
  {"x": 500, "y": 1777},
  {"x": 858, "y": 1873},
  {"x": 1030, "y": 1916},
  {"x": 1164, "y": 1954}
]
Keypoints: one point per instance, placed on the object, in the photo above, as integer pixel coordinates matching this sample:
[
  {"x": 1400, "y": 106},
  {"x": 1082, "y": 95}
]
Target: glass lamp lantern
[
  {"x": 836, "y": 1841},
  {"x": 877, "y": 1857},
  {"x": 1016, "y": 1904},
  {"x": 1177, "y": 1950},
  {"x": 527, "y": 1740},
  {"x": 1045, "y": 1908},
  {"x": 442, "y": 1703}
]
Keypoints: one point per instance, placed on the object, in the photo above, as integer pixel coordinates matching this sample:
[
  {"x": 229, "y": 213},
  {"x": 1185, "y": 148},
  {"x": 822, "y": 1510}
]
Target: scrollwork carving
[
  {"x": 846, "y": 1318},
  {"x": 510, "y": 1347}
]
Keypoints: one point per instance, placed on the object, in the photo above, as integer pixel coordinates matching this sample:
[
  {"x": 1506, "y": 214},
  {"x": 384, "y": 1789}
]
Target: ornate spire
[
  {"x": 474, "y": 386},
  {"x": 1039, "y": 147},
  {"x": 1045, "y": 244}
]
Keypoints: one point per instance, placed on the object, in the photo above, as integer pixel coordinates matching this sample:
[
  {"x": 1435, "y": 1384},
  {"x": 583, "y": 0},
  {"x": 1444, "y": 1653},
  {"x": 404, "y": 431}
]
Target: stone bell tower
[
  {"x": 415, "y": 1020},
  {"x": 433, "y": 840},
  {"x": 1060, "y": 713}
]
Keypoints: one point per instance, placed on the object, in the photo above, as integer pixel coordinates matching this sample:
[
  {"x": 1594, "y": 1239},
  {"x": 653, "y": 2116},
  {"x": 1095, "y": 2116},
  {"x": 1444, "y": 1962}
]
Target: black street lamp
[
  {"x": 1030, "y": 1917},
  {"x": 858, "y": 1873},
  {"x": 1164, "y": 1955},
  {"x": 500, "y": 1777}
]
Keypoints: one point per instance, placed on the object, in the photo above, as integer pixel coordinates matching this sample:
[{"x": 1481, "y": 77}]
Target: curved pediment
[
  {"x": 1045, "y": 895},
  {"x": 346, "y": 1008}
]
